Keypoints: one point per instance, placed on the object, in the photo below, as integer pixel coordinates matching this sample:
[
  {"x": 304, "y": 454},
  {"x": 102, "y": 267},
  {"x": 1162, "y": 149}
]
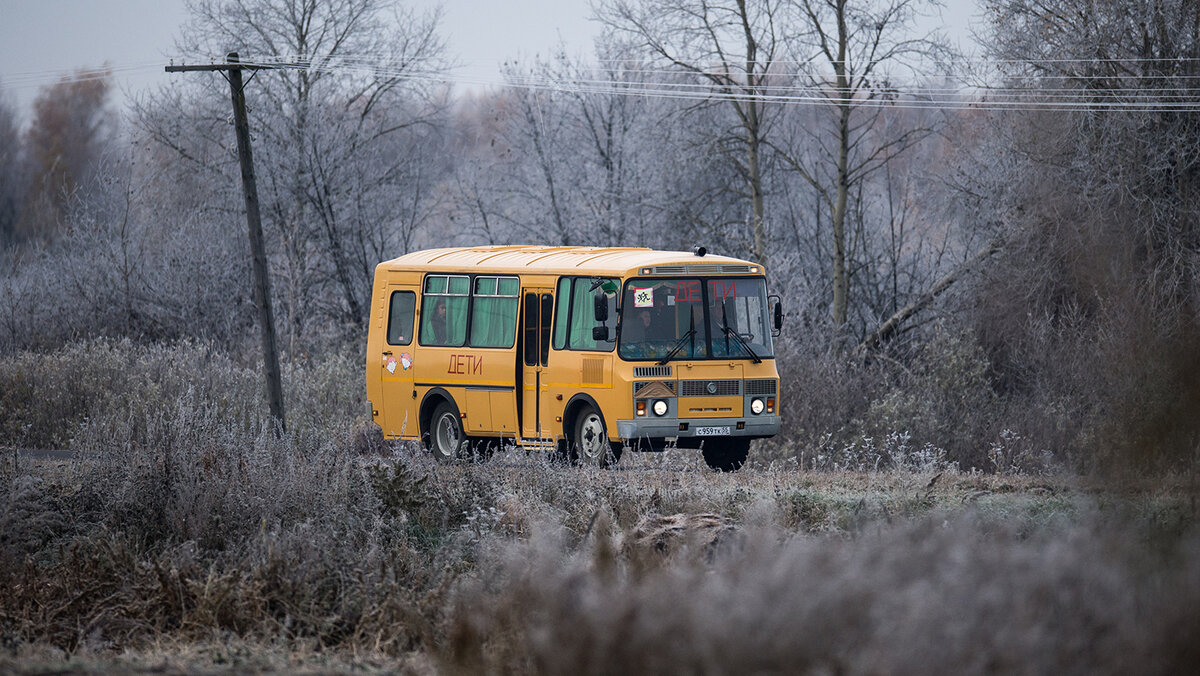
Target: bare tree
[
  {"x": 12, "y": 172},
  {"x": 855, "y": 49},
  {"x": 730, "y": 45},
  {"x": 540, "y": 129},
  {"x": 335, "y": 134}
]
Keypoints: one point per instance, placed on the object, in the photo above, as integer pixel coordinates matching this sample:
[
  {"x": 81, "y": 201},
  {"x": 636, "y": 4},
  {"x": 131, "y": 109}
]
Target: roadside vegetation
[
  {"x": 990, "y": 363},
  {"x": 186, "y": 531}
]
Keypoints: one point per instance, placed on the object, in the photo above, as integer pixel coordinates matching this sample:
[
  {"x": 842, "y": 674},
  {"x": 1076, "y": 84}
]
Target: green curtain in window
[
  {"x": 583, "y": 318},
  {"x": 455, "y": 329},
  {"x": 493, "y": 322},
  {"x": 456, "y": 318},
  {"x": 560, "y": 313}
]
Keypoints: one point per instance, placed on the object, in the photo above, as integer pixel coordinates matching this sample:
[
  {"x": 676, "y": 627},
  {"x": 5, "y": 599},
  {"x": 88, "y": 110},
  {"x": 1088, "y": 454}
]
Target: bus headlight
[
  {"x": 757, "y": 406},
  {"x": 660, "y": 408}
]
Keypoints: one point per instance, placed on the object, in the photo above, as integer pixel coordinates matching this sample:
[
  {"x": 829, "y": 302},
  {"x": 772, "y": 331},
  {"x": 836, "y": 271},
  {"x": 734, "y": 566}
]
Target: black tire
[
  {"x": 589, "y": 444},
  {"x": 726, "y": 455},
  {"x": 445, "y": 439}
]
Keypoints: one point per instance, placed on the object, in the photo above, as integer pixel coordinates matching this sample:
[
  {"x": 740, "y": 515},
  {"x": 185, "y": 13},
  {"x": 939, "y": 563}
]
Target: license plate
[{"x": 722, "y": 431}]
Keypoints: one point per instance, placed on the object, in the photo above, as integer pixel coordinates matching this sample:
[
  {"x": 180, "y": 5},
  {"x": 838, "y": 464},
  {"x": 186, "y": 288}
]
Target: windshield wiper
[
  {"x": 678, "y": 346},
  {"x": 741, "y": 341}
]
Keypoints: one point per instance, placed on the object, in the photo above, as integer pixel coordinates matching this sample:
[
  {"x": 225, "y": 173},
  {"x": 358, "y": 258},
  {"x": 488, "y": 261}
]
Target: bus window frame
[{"x": 412, "y": 321}]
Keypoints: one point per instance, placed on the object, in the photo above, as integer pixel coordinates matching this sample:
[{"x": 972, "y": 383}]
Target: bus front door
[{"x": 537, "y": 306}]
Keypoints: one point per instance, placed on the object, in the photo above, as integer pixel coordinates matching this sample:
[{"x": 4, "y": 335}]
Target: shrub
[{"x": 932, "y": 597}]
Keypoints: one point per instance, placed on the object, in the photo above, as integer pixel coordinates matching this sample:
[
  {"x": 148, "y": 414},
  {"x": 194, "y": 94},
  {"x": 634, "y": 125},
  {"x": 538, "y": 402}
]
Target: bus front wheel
[
  {"x": 446, "y": 438},
  {"x": 589, "y": 442},
  {"x": 726, "y": 455}
]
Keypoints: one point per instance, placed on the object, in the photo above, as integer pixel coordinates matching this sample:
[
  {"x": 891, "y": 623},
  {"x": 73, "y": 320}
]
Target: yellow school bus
[{"x": 580, "y": 350}]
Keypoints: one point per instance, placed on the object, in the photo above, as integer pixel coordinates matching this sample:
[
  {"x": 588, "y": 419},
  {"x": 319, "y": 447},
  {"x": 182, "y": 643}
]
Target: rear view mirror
[
  {"x": 600, "y": 303},
  {"x": 600, "y": 334},
  {"x": 776, "y": 314}
]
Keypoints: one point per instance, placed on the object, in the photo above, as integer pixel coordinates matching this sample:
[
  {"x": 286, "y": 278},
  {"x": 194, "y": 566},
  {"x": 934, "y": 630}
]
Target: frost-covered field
[{"x": 187, "y": 536}]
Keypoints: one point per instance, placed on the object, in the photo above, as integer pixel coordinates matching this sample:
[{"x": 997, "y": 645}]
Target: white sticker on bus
[{"x": 643, "y": 297}]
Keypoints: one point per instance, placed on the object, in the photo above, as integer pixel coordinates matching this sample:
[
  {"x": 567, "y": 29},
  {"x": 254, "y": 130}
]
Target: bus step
[{"x": 539, "y": 444}]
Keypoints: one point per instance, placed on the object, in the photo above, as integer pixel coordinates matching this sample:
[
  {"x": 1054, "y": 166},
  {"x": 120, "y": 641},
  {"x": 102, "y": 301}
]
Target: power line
[{"x": 898, "y": 96}]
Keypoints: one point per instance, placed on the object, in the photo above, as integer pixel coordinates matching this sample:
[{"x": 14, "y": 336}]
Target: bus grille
[
  {"x": 699, "y": 388},
  {"x": 651, "y": 371},
  {"x": 765, "y": 386}
]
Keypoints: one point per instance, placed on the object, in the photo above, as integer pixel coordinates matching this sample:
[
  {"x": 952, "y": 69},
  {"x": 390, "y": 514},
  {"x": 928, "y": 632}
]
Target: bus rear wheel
[
  {"x": 726, "y": 455},
  {"x": 445, "y": 438},
  {"x": 589, "y": 441}
]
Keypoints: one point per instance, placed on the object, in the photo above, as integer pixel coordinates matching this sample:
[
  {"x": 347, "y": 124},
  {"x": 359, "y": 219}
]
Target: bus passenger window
[
  {"x": 444, "y": 310},
  {"x": 494, "y": 312},
  {"x": 400, "y": 318}
]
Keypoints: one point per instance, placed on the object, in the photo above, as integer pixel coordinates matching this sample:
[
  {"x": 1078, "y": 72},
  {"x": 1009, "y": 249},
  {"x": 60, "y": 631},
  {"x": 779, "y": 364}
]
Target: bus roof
[{"x": 569, "y": 260}]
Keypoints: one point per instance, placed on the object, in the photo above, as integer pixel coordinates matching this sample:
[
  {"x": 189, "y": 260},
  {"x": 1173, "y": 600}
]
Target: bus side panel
[
  {"x": 574, "y": 372},
  {"x": 480, "y": 380},
  {"x": 478, "y": 407},
  {"x": 504, "y": 413}
]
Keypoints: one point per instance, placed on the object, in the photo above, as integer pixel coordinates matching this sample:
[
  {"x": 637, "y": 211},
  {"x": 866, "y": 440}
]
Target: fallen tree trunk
[{"x": 891, "y": 326}]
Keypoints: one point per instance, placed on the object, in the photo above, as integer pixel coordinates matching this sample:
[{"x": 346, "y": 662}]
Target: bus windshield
[{"x": 706, "y": 318}]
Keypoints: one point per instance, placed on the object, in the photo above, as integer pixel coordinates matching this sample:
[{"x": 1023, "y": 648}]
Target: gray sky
[{"x": 42, "y": 40}]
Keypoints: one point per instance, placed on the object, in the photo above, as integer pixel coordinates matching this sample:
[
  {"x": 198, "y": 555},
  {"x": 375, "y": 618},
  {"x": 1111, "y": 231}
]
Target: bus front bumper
[{"x": 755, "y": 426}]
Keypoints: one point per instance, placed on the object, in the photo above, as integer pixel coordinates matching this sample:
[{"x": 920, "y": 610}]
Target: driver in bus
[
  {"x": 651, "y": 323},
  {"x": 639, "y": 328}
]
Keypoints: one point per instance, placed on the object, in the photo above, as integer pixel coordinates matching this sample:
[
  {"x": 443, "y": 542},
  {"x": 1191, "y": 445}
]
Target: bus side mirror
[
  {"x": 777, "y": 314},
  {"x": 600, "y": 307},
  {"x": 600, "y": 334}
]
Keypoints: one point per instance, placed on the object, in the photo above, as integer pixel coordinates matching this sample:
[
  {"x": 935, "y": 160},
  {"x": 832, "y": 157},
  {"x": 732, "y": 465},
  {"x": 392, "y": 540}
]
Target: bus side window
[
  {"x": 400, "y": 318},
  {"x": 529, "y": 338},
  {"x": 444, "y": 310},
  {"x": 494, "y": 311},
  {"x": 576, "y": 315},
  {"x": 583, "y": 316}
]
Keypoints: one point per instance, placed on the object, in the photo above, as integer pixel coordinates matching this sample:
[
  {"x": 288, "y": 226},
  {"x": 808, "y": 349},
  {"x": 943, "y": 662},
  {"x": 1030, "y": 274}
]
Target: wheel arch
[
  {"x": 429, "y": 403},
  {"x": 571, "y": 412}
]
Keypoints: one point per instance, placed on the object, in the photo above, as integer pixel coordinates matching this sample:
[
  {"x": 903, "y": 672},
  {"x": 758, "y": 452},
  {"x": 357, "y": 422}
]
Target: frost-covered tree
[
  {"x": 730, "y": 47},
  {"x": 571, "y": 152},
  {"x": 857, "y": 55},
  {"x": 1091, "y": 310},
  {"x": 12, "y": 174},
  {"x": 346, "y": 131}
]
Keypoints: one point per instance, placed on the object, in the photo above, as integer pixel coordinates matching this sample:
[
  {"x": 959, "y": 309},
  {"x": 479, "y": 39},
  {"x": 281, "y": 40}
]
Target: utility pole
[{"x": 231, "y": 70}]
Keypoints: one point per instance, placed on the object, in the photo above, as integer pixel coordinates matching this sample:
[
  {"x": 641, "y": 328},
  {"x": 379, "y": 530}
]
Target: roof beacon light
[{"x": 699, "y": 251}]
